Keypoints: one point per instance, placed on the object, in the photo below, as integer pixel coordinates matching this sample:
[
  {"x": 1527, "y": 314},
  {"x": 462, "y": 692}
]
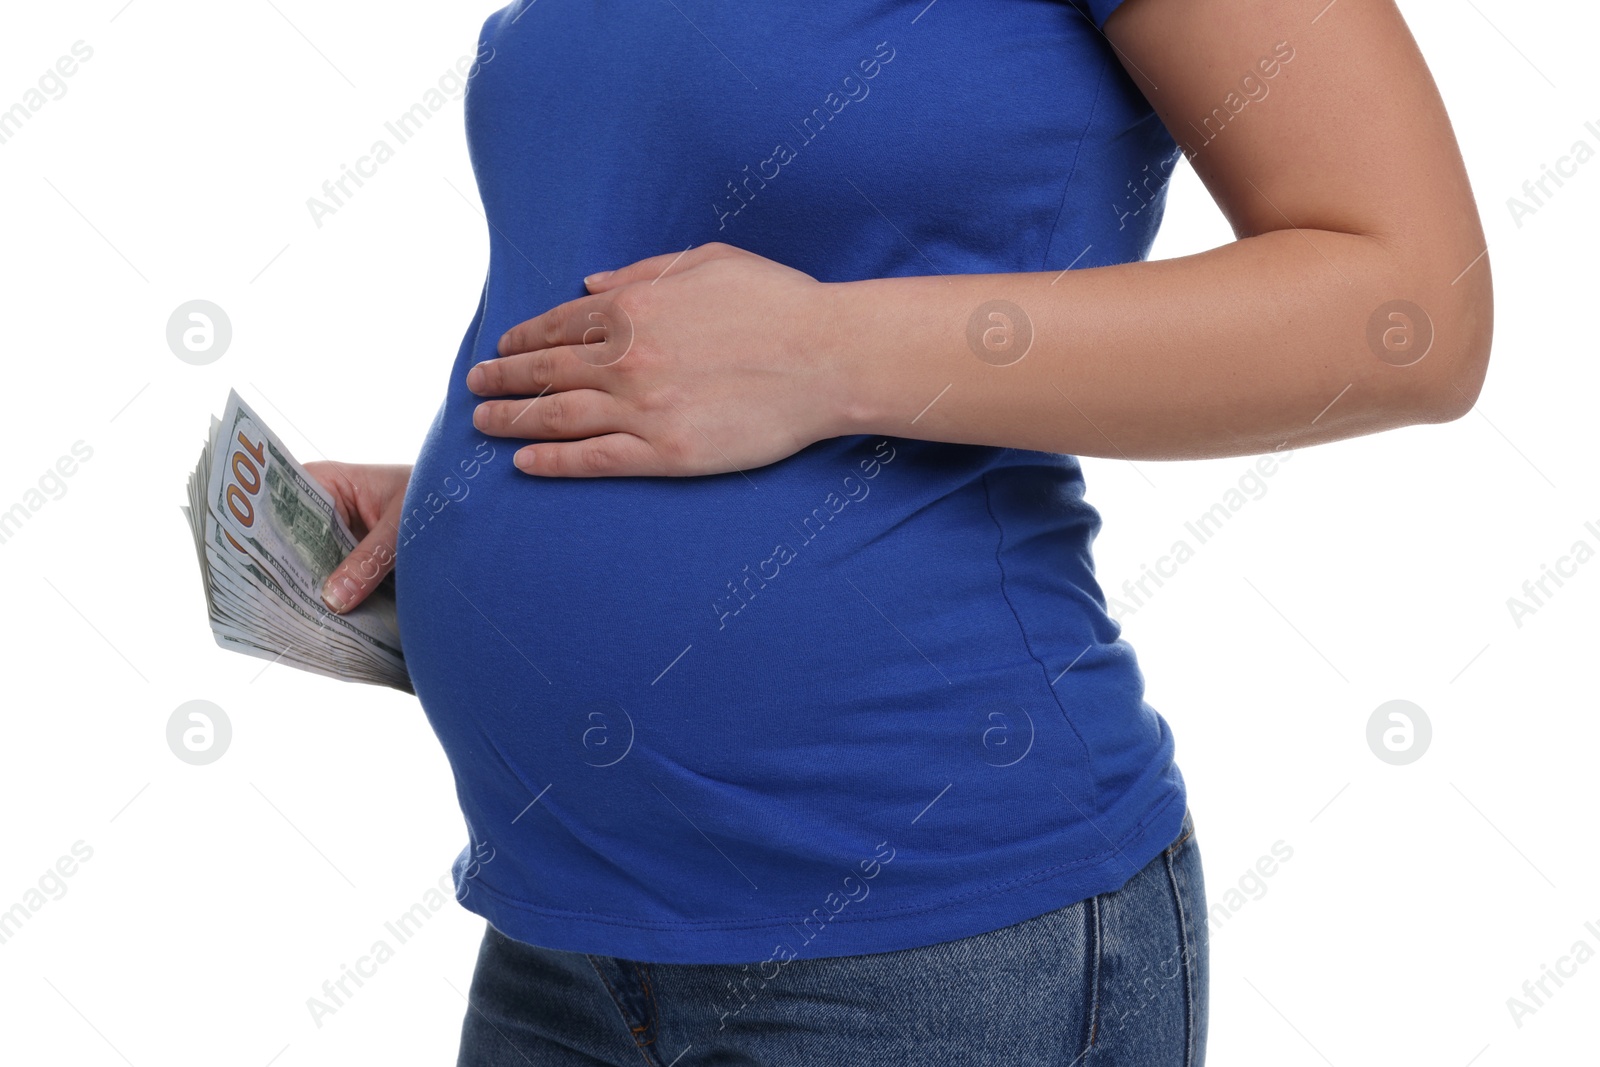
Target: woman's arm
[
  {"x": 1359, "y": 248},
  {"x": 1347, "y": 192}
]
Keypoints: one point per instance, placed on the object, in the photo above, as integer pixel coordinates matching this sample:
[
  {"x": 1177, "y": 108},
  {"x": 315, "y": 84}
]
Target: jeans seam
[
  {"x": 652, "y": 1016},
  {"x": 1188, "y": 964},
  {"x": 1094, "y": 975},
  {"x": 622, "y": 1013}
]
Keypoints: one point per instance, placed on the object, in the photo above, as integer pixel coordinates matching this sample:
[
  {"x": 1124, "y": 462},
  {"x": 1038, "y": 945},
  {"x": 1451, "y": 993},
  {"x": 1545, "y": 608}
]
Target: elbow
[
  {"x": 1462, "y": 339},
  {"x": 1458, "y": 388}
]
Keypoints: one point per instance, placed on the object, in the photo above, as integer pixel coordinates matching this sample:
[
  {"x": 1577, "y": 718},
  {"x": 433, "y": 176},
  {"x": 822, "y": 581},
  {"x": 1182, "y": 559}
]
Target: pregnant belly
[
  {"x": 602, "y": 583},
  {"x": 601, "y": 639}
]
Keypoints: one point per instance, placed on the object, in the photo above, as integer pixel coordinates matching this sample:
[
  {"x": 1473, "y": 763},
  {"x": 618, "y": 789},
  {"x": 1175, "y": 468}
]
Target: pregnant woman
[{"x": 745, "y": 571}]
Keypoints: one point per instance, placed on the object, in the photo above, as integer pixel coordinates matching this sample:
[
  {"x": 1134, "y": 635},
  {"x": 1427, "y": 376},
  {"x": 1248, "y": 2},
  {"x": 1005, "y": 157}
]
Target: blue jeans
[{"x": 1118, "y": 980}]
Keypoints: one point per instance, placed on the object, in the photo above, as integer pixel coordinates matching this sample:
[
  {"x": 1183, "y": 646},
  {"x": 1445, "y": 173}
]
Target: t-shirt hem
[{"x": 979, "y": 911}]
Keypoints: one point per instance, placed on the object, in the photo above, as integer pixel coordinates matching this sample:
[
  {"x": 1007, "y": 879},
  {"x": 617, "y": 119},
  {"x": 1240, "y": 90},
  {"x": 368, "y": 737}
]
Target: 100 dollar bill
[{"x": 268, "y": 535}]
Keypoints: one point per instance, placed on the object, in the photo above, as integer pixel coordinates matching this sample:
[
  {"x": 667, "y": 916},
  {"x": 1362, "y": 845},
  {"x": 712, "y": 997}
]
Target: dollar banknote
[{"x": 267, "y": 535}]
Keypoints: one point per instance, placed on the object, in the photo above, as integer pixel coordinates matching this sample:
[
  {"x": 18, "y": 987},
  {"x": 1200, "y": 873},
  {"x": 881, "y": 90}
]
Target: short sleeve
[{"x": 1097, "y": 10}]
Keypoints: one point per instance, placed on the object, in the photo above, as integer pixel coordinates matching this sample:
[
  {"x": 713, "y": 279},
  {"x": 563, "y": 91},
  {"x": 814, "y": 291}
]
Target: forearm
[{"x": 1257, "y": 345}]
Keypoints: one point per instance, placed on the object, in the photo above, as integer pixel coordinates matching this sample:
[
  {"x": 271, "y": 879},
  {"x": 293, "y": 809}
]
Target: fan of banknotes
[{"x": 268, "y": 535}]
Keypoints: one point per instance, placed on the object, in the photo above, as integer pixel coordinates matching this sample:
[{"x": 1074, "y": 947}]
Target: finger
[
  {"x": 547, "y": 370},
  {"x": 587, "y": 321},
  {"x": 610, "y": 456},
  {"x": 561, "y": 416},
  {"x": 652, "y": 268},
  {"x": 333, "y": 478},
  {"x": 353, "y": 580}
]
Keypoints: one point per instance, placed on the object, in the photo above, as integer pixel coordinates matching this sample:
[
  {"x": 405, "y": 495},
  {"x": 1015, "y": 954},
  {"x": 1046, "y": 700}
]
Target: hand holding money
[
  {"x": 269, "y": 536},
  {"x": 369, "y": 497}
]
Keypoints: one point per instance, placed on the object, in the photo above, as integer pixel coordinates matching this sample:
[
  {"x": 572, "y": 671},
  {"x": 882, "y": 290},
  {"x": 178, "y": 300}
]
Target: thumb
[{"x": 362, "y": 570}]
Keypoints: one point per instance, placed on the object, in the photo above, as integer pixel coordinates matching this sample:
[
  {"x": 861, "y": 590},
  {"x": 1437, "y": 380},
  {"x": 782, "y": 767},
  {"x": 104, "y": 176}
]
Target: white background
[{"x": 219, "y": 898}]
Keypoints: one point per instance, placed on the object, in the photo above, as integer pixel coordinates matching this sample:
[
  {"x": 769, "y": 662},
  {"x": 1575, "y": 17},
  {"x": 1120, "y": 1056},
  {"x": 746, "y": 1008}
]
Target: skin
[
  {"x": 368, "y": 498},
  {"x": 1345, "y": 190}
]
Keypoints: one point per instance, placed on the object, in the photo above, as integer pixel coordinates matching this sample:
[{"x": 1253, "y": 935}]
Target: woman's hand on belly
[
  {"x": 701, "y": 362},
  {"x": 370, "y": 498}
]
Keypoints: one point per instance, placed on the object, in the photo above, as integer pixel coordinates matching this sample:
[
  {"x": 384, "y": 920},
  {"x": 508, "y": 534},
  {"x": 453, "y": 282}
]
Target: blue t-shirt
[{"x": 865, "y": 698}]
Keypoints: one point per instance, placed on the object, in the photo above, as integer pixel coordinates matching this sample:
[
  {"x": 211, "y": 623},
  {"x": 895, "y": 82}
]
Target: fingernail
[
  {"x": 332, "y": 597},
  {"x": 475, "y": 378},
  {"x": 598, "y": 276}
]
